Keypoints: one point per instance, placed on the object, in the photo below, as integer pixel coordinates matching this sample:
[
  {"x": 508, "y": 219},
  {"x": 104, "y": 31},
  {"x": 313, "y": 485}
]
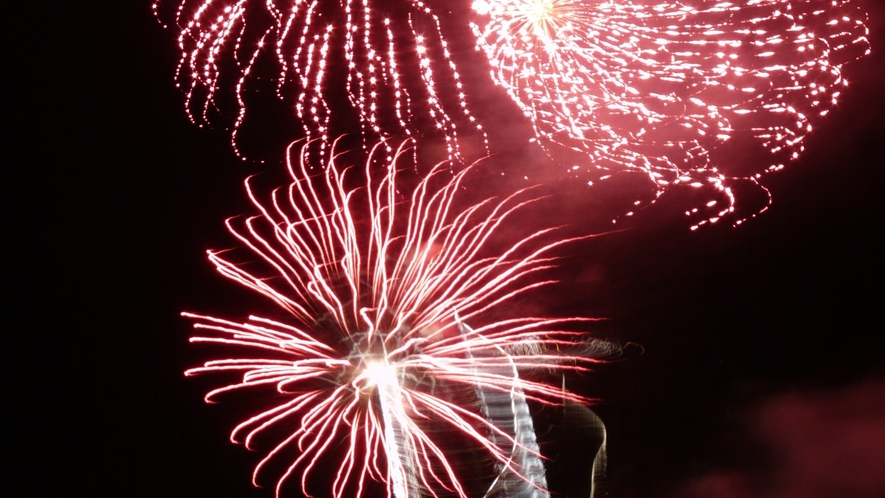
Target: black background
[{"x": 114, "y": 197}]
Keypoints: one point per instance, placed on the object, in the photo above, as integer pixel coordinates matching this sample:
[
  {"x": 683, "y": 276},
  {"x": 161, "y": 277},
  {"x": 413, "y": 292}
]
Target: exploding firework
[
  {"x": 375, "y": 371},
  {"x": 389, "y": 60},
  {"x": 659, "y": 87}
]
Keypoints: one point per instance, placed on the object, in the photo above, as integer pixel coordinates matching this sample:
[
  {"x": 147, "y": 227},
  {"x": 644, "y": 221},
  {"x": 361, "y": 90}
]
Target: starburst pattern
[
  {"x": 660, "y": 87},
  {"x": 378, "y": 277},
  {"x": 389, "y": 60}
]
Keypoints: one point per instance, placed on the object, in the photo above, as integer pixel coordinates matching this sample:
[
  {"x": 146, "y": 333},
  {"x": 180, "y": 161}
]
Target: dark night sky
[{"x": 763, "y": 371}]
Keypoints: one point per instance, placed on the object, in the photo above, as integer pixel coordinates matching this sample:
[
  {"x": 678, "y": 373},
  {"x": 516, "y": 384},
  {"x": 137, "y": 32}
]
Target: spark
[
  {"x": 389, "y": 61},
  {"x": 660, "y": 87},
  {"x": 375, "y": 367}
]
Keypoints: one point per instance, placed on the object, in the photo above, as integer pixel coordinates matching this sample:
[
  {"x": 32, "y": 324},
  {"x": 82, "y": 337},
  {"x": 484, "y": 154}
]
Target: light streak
[
  {"x": 389, "y": 60},
  {"x": 378, "y": 276},
  {"x": 659, "y": 87}
]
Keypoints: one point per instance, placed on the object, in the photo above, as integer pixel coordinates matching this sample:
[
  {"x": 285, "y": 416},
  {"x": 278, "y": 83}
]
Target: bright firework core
[
  {"x": 372, "y": 368},
  {"x": 379, "y": 373},
  {"x": 541, "y": 18}
]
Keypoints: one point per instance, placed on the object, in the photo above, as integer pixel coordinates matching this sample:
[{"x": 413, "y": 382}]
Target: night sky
[{"x": 753, "y": 365}]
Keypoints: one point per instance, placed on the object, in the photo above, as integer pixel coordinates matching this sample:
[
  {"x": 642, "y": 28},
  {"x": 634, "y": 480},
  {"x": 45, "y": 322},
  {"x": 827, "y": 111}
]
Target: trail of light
[
  {"x": 377, "y": 276},
  {"x": 389, "y": 60},
  {"x": 658, "y": 87}
]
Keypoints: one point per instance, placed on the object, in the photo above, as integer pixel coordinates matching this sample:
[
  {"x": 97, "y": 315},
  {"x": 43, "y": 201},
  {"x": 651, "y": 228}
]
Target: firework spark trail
[
  {"x": 400, "y": 76},
  {"x": 378, "y": 285},
  {"x": 657, "y": 87},
  {"x": 510, "y": 412}
]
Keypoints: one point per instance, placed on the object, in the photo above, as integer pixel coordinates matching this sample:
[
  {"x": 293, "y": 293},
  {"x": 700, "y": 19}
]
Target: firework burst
[
  {"x": 660, "y": 87},
  {"x": 389, "y": 60},
  {"x": 375, "y": 361}
]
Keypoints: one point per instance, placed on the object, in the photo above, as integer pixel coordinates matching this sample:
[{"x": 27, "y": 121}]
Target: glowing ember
[
  {"x": 388, "y": 60},
  {"x": 377, "y": 369},
  {"x": 659, "y": 87}
]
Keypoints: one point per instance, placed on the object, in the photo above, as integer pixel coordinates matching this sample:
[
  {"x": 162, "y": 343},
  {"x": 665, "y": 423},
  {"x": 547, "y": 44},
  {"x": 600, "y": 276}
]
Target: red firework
[
  {"x": 668, "y": 89},
  {"x": 398, "y": 74},
  {"x": 659, "y": 87},
  {"x": 375, "y": 357}
]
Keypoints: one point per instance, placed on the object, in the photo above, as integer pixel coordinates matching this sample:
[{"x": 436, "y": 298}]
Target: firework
[
  {"x": 375, "y": 360},
  {"x": 388, "y": 60},
  {"x": 660, "y": 87}
]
